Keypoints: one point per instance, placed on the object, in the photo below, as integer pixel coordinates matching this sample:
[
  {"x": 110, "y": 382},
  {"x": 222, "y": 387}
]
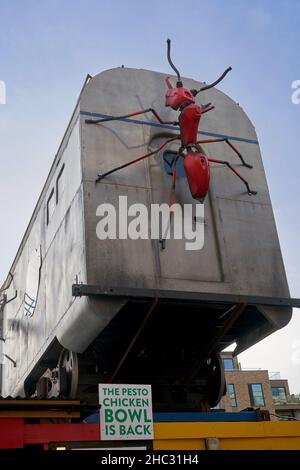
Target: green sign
[{"x": 126, "y": 412}]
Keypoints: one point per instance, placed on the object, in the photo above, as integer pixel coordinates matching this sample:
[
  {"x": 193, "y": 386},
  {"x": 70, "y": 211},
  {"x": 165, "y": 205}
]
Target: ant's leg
[
  {"x": 136, "y": 160},
  {"x": 208, "y": 141},
  {"x": 206, "y": 108},
  {"x": 136, "y": 113},
  {"x": 172, "y": 196},
  {"x": 174, "y": 123},
  {"x": 250, "y": 191},
  {"x": 172, "y": 201}
]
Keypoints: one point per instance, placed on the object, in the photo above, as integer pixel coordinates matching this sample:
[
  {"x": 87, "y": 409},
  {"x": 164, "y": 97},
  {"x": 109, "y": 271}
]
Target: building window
[
  {"x": 256, "y": 395},
  {"x": 60, "y": 184},
  {"x": 50, "y": 206},
  {"x": 228, "y": 364},
  {"x": 232, "y": 395},
  {"x": 279, "y": 394}
]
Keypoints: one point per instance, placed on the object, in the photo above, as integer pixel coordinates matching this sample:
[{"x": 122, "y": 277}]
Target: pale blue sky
[{"x": 48, "y": 46}]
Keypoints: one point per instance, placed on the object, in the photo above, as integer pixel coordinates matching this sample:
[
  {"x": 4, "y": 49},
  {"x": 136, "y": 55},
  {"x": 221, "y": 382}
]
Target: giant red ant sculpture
[{"x": 196, "y": 164}]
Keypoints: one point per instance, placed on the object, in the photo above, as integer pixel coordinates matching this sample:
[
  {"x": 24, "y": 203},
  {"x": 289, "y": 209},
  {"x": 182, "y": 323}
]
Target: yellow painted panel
[
  {"x": 271, "y": 443},
  {"x": 179, "y": 444},
  {"x": 273, "y": 435},
  {"x": 266, "y": 443},
  {"x": 241, "y": 429}
]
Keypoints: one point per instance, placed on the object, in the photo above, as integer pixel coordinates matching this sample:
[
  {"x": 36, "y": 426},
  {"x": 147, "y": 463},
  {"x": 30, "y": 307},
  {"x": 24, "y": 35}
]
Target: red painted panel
[
  {"x": 11, "y": 433},
  {"x": 44, "y": 433}
]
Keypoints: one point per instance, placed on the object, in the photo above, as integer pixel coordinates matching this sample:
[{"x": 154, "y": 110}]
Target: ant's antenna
[
  {"x": 211, "y": 85},
  {"x": 179, "y": 82}
]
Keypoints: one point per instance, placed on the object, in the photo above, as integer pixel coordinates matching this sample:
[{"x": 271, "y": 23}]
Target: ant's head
[{"x": 179, "y": 96}]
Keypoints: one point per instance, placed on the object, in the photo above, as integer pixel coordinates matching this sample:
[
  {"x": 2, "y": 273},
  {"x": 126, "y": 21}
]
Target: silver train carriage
[{"x": 77, "y": 310}]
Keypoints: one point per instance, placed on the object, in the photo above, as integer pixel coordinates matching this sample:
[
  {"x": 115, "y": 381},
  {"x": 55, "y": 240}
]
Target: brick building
[
  {"x": 254, "y": 389},
  {"x": 286, "y": 405}
]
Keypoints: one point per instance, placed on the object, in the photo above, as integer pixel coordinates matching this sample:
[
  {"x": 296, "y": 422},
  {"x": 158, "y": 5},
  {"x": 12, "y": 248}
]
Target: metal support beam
[
  {"x": 79, "y": 290},
  {"x": 231, "y": 316},
  {"x": 135, "y": 338}
]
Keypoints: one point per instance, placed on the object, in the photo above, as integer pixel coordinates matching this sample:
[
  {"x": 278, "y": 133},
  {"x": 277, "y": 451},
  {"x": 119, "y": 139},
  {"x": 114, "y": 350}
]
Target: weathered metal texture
[
  {"x": 241, "y": 245},
  {"x": 62, "y": 251},
  {"x": 209, "y": 298},
  {"x": 241, "y": 254}
]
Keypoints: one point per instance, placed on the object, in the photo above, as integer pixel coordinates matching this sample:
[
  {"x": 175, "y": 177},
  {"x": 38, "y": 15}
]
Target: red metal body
[
  {"x": 176, "y": 98},
  {"x": 197, "y": 170},
  {"x": 196, "y": 164},
  {"x": 189, "y": 120}
]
